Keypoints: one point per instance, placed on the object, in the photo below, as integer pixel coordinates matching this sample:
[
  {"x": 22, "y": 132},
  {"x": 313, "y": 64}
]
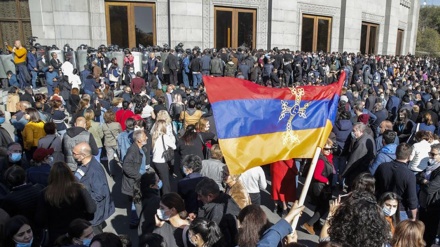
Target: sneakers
[{"x": 308, "y": 228}]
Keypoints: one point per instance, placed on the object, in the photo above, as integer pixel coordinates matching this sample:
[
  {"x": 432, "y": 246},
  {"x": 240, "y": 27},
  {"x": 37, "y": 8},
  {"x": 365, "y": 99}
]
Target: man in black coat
[
  {"x": 429, "y": 196},
  {"x": 218, "y": 207},
  {"x": 192, "y": 165},
  {"x": 396, "y": 177},
  {"x": 362, "y": 152},
  {"x": 172, "y": 63}
]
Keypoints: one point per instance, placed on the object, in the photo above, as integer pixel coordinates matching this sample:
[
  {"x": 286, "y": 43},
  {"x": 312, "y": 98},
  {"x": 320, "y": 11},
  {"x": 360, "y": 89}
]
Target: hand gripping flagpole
[{"x": 306, "y": 187}]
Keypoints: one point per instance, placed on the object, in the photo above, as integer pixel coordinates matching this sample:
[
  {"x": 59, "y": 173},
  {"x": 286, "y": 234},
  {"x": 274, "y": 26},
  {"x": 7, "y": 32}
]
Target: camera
[{"x": 32, "y": 39}]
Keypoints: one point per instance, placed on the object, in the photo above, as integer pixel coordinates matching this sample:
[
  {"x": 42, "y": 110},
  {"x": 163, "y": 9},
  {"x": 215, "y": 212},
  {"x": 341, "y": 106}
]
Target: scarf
[{"x": 429, "y": 169}]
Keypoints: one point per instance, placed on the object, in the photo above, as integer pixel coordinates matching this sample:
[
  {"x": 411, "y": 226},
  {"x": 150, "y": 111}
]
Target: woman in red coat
[
  {"x": 283, "y": 175},
  {"x": 320, "y": 188}
]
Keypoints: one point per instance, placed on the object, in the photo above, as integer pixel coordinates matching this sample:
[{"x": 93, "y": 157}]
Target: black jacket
[
  {"x": 172, "y": 62},
  {"x": 395, "y": 176},
  {"x": 429, "y": 195},
  {"x": 131, "y": 167}
]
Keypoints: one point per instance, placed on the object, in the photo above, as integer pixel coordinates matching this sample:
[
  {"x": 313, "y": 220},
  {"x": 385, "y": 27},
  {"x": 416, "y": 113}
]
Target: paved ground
[{"x": 119, "y": 221}]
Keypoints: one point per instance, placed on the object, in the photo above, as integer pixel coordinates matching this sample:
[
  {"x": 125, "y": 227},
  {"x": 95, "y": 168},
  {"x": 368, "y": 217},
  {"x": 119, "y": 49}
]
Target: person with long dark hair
[
  {"x": 192, "y": 142},
  {"x": 18, "y": 233},
  {"x": 253, "y": 223},
  {"x": 205, "y": 233},
  {"x": 79, "y": 232},
  {"x": 171, "y": 220},
  {"x": 62, "y": 201},
  {"x": 389, "y": 202}
]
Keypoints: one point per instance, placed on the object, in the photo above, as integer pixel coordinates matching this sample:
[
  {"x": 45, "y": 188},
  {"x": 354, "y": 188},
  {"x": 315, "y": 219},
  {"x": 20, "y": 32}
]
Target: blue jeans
[
  {"x": 34, "y": 75},
  {"x": 50, "y": 89},
  {"x": 197, "y": 79},
  {"x": 185, "y": 77},
  {"x": 177, "y": 126}
]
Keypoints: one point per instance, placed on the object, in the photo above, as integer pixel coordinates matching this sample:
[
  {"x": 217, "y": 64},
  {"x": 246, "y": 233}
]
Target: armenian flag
[{"x": 257, "y": 125}]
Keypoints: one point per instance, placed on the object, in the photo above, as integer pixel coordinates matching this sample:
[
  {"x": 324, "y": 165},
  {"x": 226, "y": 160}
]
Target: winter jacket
[
  {"x": 95, "y": 181},
  {"x": 190, "y": 116},
  {"x": 32, "y": 132},
  {"x": 217, "y": 66},
  {"x": 230, "y": 69},
  {"x": 342, "y": 130},
  {"x": 131, "y": 167},
  {"x": 385, "y": 154},
  {"x": 72, "y": 137},
  {"x": 206, "y": 62}
]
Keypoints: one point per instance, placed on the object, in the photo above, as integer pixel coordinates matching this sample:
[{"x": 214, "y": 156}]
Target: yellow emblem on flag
[{"x": 289, "y": 137}]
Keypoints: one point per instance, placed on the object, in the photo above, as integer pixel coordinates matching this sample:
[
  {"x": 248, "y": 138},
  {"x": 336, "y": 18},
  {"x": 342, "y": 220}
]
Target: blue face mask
[
  {"x": 24, "y": 244},
  {"x": 15, "y": 157},
  {"x": 2, "y": 120},
  {"x": 159, "y": 184},
  {"x": 87, "y": 241}
]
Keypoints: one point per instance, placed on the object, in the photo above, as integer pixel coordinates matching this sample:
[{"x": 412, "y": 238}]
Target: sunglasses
[{"x": 328, "y": 149}]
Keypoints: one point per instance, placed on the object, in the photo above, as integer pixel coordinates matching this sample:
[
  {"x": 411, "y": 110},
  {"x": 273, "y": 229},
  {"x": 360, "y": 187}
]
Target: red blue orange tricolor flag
[{"x": 257, "y": 125}]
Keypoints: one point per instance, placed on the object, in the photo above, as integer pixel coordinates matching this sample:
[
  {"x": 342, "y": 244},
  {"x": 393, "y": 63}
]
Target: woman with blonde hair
[
  {"x": 235, "y": 189},
  {"x": 409, "y": 233},
  {"x": 95, "y": 129},
  {"x": 162, "y": 141},
  {"x": 163, "y": 115},
  {"x": 32, "y": 132}
]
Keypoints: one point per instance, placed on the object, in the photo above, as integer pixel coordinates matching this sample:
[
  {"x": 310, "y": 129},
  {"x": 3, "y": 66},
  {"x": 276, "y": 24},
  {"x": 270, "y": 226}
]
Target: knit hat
[{"x": 41, "y": 153}]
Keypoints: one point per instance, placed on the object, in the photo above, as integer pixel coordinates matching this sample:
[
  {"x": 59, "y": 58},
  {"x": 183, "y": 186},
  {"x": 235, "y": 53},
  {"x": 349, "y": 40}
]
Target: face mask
[
  {"x": 431, "y": 162},
  {"x": 185, "y": 171},
  {"x": 352, "y": 135},
  {"x": 389, "y": 211},
  {"x": 161, "y": 214},
  {"x": 192, "y": 242},
  {"x": 49, "y": 160},
  {"x": 15, "y": 157},
  {"x": 382, "y": 97},
  {"x": 137, "y": 128},
  {"x": 2, "y": 120},
  {"x": 86, "y": 241},
  {"x": 24, "y": 244},
  {"x": 159, "y": 184}
]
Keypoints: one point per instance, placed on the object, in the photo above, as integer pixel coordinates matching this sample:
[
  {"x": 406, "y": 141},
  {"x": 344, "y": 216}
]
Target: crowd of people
[{"x": 376, "y": 182}]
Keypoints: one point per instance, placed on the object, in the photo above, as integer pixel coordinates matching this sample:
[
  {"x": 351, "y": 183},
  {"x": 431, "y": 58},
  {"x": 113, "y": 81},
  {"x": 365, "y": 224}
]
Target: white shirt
[
  {"x": 254, "y": 180},
  {"x": 74, "y": 80},
  {"x": 158, "y": 149},
  {"x": 419, "y": 157},
  {"x": 146, "y": 112}
]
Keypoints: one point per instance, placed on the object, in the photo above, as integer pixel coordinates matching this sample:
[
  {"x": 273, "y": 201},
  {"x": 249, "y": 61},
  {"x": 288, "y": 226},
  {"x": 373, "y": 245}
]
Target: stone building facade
[{"x": 373, "y": 26}]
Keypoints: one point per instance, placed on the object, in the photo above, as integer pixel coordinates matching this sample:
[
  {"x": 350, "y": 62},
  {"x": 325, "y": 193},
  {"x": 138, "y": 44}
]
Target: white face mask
[
  {"x": 431, "y": 162},
  {"x": 389, "y": 211}
]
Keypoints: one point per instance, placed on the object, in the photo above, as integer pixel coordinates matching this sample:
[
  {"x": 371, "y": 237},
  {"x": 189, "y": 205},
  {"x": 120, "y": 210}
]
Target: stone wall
[
  {"x": 68, "y": 21},
  {"x": 192, "y": 22}
]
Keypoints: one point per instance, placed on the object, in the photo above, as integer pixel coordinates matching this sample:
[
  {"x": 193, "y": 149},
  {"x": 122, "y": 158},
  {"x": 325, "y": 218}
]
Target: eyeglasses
[
  {"x": 328, "y": 149},
  {"x": 432, "y": 154}
]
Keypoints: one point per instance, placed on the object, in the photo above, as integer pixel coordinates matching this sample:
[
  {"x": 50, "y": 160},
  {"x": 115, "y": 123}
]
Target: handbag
[
  {"x": 206, "y": 150},
  {"x": 168, "y": 154}
]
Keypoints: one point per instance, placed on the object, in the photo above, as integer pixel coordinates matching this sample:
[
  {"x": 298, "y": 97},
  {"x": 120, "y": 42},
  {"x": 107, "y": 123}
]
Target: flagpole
[{"x": 306, "y": 187}]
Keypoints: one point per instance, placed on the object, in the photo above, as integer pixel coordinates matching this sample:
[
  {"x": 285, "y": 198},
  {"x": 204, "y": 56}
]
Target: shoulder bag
[{"x": 168, "y": 153}]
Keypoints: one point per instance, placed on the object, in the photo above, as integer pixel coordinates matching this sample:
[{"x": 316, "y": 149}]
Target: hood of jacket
[
  {"x": 344, "y": 124},
  {"x": 191, "y": 111},
  {"x": 389, "y": 149},
  {"x": 74, "y": 131}
]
